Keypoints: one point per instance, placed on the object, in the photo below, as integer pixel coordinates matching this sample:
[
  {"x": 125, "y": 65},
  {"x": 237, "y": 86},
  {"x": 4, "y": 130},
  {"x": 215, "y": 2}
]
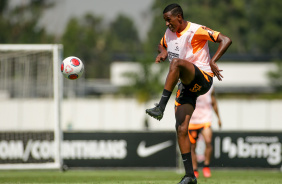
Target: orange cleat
[
  {"x": 206, "y": 172},
  {"x": 196, "y": 173}
]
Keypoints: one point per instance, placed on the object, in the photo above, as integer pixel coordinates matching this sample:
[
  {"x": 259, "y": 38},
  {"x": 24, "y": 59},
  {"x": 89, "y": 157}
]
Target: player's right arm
[
  {"x": 162, "y": 51},
  {"x": 162, "y": 54}
]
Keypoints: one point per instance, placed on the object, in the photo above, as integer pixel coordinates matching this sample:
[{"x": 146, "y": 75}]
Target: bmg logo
[{"x": 251, "y": 147}]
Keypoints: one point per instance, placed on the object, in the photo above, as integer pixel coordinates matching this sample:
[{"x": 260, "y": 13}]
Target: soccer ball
[{"x": 72, "y": 68}]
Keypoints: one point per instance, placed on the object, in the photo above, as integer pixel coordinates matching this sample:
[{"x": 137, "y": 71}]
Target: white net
[
  {"x": 30, "y": 95},
  {"x": 26, "y": 74}
]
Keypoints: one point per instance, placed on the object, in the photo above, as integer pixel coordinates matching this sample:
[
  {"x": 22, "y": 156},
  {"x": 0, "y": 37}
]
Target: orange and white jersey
[
  {"x": 203, "y": 111},
  {"x": 191, "y": 44}
]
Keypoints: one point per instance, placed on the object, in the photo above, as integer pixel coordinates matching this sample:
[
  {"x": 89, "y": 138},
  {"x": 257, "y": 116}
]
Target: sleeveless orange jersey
[{"x": 191, "y": 44}]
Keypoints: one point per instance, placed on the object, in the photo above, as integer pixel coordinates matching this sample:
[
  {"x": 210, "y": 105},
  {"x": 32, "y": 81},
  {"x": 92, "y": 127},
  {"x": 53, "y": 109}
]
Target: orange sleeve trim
[
  {"x": 163, "y": 42},
  {"x": 199, "y": 126},
  {"x": 200, "y": 38}
]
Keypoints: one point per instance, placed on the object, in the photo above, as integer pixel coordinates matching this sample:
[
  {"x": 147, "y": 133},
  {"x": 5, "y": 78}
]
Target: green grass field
[{"x": 138, "y": 176}]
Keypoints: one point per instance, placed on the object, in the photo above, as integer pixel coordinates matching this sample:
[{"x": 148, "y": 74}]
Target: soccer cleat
[
  {"x": 155, "y": 112},
  {"x": 196, "y": 173},
  {"x": 206, "y": 172},
  {"x": 188, "y": 180}
]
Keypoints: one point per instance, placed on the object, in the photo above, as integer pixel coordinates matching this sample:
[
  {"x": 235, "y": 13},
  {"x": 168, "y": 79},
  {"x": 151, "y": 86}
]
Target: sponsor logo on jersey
[{"x": 172, "y": 55}]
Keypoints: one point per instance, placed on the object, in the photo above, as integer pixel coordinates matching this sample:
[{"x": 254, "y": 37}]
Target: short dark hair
[{"x": 175, "y": 9}]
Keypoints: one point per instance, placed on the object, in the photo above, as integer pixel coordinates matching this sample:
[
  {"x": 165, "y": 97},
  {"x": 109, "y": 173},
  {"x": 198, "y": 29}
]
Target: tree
[
  {"x": 123, "y": 37},
  {"x": 265, "y": 23},
  {"x": 20, "y": 24},
  {"x": 276, "y": 77},
  {"x": 147, "y": 83},
  {"x": 85, "y": 38},
  {"x": 254, "y": 26},
  {"x": 97, "y": 45}
]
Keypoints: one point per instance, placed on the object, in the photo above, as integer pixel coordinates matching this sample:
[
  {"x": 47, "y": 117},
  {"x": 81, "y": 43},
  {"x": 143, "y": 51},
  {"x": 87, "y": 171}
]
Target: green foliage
[
  {"x": 96, "y": 45},
  {"x": 85, "y": 39},
  {"x": 254, "y": 26},
  {"x": 122, "y": 36},
  {"x": 276, "y": 77},
  {"x": 265, "y": 20},
  {"x": 147, "y": 83},
  {"x": 19, "y": 25}
]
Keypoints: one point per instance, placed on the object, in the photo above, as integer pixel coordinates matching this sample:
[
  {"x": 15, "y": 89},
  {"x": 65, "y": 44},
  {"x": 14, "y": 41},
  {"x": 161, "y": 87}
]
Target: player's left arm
[
  {"x": 215, "y": 107},
  {"x": 224, "y": 43}
]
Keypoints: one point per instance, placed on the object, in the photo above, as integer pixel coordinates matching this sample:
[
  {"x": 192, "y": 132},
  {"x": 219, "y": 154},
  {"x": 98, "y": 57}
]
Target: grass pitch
[{"x": 137, "y": 177}]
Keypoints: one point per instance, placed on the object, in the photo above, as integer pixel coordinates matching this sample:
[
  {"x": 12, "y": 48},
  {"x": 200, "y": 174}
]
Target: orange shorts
[{"x": 195, "y": 129}]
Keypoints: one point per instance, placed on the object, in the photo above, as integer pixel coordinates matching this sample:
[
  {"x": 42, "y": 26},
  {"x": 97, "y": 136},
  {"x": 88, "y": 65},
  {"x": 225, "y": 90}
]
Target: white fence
[
  {"x": 112, "y": 114},
  {"x": 236, "y": 74}
]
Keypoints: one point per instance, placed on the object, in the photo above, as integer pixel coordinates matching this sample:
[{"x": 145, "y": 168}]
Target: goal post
[{"x": 30, "y": 106}]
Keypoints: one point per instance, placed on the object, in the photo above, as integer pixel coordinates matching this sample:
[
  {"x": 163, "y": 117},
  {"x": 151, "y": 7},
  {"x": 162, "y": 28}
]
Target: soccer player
[
  {"x": 185, "y": 44},
  {"x": 200, "y": 122}
]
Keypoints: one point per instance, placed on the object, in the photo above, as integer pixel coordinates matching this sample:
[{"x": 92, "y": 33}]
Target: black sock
[
  {"x": 206, "y": 165},
  {"x": 165, "y": 97},
  {"x": 187, "y": 161}
]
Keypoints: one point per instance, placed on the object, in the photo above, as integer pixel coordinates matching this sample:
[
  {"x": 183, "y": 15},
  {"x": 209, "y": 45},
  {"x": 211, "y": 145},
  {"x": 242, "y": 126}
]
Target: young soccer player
[{"x": 185, "y": 44}]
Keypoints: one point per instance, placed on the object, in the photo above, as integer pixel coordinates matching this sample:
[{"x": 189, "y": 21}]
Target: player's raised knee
[
  {"x": 175, "y": 62},
  {"x": 181, "y": 130}
]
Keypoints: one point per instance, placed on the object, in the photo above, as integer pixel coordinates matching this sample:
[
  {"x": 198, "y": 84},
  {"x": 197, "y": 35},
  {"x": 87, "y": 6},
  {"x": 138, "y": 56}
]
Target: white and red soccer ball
[{"x": 72, "y": 68}]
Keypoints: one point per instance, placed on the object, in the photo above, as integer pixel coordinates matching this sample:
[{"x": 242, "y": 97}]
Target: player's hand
[
  {"x": 216, "y": 70},
  {"x": 219, "y": 124},
  {"x": 161, "y": 57}
]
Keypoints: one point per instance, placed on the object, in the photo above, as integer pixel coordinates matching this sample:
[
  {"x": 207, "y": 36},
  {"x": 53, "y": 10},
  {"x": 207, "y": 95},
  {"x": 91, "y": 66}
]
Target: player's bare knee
[
  {"x": 175, "y": 63},
  {"x": 181, "y": 131}
]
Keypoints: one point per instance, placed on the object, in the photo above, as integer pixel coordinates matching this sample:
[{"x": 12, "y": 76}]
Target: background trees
[
  {"x": 98, "y": 46},
  {"x": 254, "y": 27},
  {"x": 85, "y": 38},
  {"x": 19, "y": 24}
]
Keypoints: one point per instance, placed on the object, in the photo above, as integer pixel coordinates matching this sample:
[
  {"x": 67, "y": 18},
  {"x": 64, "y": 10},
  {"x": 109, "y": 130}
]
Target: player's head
[
  {"x": 175, "y": 10},
  {"x": 173, "y": 16}
]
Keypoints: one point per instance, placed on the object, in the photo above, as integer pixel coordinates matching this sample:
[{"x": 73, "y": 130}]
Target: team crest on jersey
[{"x": 176, "y": 48}]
